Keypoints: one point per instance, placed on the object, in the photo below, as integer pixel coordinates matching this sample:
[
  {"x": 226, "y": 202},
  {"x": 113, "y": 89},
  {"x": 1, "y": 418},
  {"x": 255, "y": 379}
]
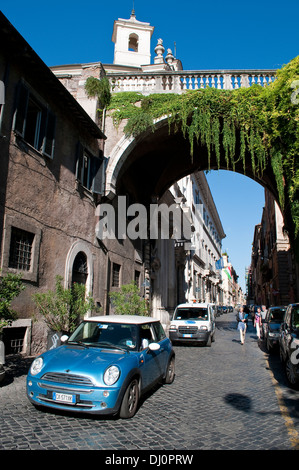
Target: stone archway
[
  {"x": 146, "y": 166},
  {"x": 251, "y": 130}
]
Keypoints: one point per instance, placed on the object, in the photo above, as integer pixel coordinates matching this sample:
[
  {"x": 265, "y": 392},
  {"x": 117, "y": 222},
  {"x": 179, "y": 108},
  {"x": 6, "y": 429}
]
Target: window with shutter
[
  {"x": 34, "y": 122},
  {"x": 90, "y": 170}
]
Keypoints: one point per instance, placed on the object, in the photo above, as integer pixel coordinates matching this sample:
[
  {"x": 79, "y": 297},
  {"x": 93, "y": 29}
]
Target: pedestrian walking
[
  {"x": 242, "y": 317},
  {"x": 263, "y": 318},
  {"x": 264, "y": 312},
  {"x": 258, "y": 322}
]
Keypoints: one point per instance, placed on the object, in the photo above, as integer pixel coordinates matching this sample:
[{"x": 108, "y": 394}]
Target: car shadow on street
[{"x": 15, "y": 366}]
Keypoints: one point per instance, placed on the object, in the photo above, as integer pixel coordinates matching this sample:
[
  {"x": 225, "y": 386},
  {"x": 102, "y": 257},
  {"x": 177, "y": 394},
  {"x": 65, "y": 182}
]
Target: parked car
[
  {"x": 193, "y": 323},
  {"x": 289, "y": 343},
  {"x": 104, "y": 366},
  {"x": 219, "y": 310},
  {"x": 2, "y": 373},
  {"x": 271, "y": 326}
]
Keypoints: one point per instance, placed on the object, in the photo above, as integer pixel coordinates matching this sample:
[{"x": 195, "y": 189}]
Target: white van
[{"x": 193, "y": 322}]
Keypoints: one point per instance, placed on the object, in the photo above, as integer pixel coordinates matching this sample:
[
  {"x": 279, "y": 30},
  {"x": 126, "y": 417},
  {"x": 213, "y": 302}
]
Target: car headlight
[
  {"x": 172, "y": 327},
  {"x": 203, "y": 328},
  {"x": 36, "y": 365},
  {"x": 111, "y": 375}
]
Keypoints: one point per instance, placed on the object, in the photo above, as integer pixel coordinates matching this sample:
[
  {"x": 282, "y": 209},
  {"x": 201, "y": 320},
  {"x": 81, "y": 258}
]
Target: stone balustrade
[{"x": 180, "y": 81}]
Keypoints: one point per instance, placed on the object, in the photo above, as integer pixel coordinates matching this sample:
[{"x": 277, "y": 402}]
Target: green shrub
[
  {"x": 10, "y": 287},
  {"x": 63, "y": 309},
  {"x": 128, "y": 301}
]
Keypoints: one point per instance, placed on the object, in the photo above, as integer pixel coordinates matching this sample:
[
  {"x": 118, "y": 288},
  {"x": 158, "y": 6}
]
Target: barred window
[
  {"x": 137, "y": 278},
  {"x": 20, "y": 249},
  {"x": 115, "y": 275}
]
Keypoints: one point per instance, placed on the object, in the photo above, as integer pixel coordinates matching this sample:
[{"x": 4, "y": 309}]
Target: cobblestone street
[{"x": 227, "y": 396}]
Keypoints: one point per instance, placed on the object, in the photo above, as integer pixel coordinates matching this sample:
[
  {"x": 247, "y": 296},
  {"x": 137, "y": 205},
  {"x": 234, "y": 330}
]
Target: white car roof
[
  {"x": 193, "y": 305},
  {"x": 129, "y": 319}
]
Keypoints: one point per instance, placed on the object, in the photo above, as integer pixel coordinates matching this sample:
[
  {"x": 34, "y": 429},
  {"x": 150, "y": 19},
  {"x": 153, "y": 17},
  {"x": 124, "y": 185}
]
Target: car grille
[
  {"x": 69, "y": 379},
  {"x": 187, "y": 330}
]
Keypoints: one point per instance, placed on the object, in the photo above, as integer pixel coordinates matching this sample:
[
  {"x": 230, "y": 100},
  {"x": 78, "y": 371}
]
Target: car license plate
[
  {"x": 187, "y": 336},
  {"x": 64, "y": 397}
]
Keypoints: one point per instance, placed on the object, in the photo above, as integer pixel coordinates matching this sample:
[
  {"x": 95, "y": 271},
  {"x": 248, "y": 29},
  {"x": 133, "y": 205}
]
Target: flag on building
[{"x": 228, "y": 272}]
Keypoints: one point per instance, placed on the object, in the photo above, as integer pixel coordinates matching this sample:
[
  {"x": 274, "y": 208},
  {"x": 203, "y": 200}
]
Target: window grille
[
  {"x": 20, "y": 249},
  {"x": 115, "y": 275},
  {"x": 16, "y": 346}
]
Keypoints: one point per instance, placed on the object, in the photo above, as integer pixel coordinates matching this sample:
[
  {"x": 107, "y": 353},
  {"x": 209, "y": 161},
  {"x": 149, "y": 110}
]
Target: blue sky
[{"x": 208, "y": 35}]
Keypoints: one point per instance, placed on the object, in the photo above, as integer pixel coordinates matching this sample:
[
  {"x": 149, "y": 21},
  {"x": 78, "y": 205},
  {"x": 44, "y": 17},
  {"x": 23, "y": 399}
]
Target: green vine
[
  {"x": 99, "y": 88},
  {"x": 266, "y": 119}
]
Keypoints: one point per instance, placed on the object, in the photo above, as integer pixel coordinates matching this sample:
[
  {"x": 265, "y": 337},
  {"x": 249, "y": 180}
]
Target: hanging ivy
[
  {"x": 265, "y": 118},
  {"x": 99, "y": 88}
]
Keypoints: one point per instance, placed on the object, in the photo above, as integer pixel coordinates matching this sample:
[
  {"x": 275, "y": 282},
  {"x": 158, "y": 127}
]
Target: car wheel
[
  {"x": 291, "y": 374},
  {"x": 130, "y": 400},
  {"x": 170, "y": 373},
  {"x": 268, "y": 347},
  {"x": 209, "y": 342}
]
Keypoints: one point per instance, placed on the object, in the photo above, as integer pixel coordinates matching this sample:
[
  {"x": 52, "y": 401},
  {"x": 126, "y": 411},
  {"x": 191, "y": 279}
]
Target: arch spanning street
[{"x": 146, "y": 166}]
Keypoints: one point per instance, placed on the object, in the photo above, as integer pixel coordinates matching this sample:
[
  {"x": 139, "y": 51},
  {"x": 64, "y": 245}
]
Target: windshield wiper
[
  {"x": 112, "y": 346},
  {"x": 79, "y": 342}
]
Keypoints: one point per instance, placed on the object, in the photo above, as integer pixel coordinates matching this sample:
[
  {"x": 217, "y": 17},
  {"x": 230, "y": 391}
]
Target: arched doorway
[
  {"x": 79, "y": 266},
  {"x": 80, "y": 269}
]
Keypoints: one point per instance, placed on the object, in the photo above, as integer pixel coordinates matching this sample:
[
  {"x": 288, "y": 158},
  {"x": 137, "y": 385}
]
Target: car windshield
[
  {"x": 277, "y": 315},
  {"x": 103, "y": 334},
  {"x": 191, "y": 313}
]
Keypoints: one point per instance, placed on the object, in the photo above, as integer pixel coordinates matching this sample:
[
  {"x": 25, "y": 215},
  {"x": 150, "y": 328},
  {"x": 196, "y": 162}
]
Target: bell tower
[{"x": 132, "y": 39}]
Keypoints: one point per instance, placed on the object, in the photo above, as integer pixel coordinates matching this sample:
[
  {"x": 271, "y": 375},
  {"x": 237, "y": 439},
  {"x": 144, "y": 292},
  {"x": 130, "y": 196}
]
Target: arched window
[
  {"x": 80, "y": 270},
  {"x": 133, "y": 42}
]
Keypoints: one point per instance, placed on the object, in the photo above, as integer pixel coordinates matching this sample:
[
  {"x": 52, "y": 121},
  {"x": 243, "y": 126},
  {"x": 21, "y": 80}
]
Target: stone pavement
[{"x": 228, "y": 396}]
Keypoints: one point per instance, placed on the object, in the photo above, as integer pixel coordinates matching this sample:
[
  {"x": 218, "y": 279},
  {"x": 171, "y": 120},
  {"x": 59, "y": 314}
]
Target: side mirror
[
  {"x": 64, "y": 338},
  {"x": 154, "y": 346}
]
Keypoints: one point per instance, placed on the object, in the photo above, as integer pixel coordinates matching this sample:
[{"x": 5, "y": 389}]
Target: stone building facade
[
  {"x": 273, "y": 279},
  {"x": 52, "y": 167}
]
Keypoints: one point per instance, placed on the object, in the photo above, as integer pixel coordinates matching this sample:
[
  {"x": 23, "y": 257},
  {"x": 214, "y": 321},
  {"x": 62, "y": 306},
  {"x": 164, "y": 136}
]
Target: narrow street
[{"x": 226, "y": 397}]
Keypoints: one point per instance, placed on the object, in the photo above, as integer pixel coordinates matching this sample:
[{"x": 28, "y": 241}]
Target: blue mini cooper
[{"x": 104, "y": 366}]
